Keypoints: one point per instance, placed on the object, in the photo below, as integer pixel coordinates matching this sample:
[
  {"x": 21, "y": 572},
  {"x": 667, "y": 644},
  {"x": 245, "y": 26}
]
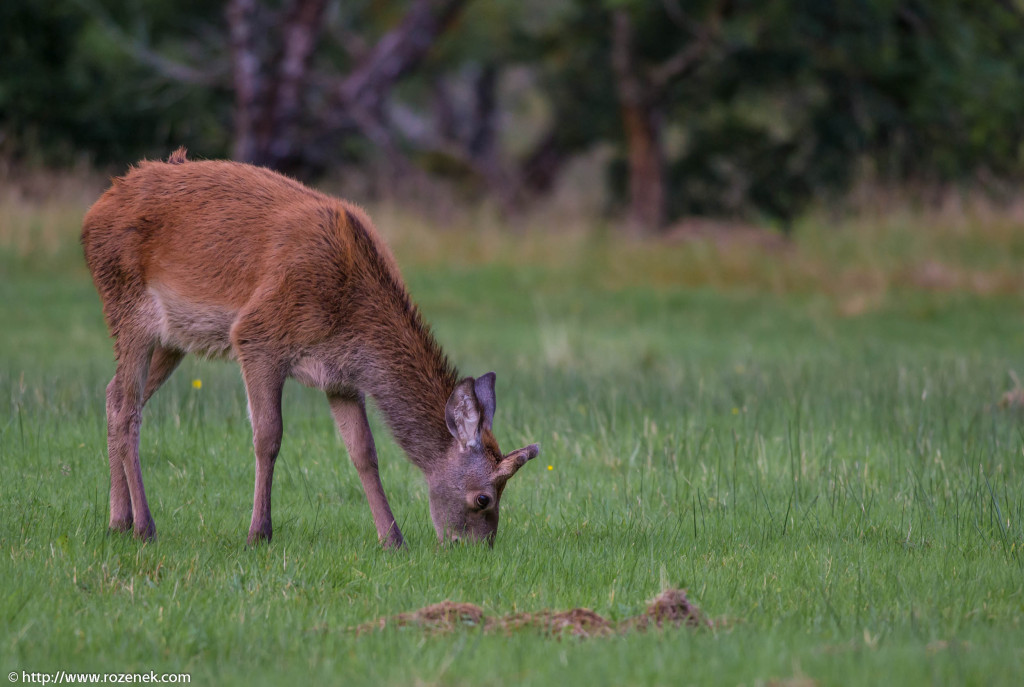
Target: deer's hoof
[
  {"x": 393, "y": 542},
  {"x": 259, "y": 537},
  {"x": 146, "y": 531},
  {"x": 120, "y": 525}
]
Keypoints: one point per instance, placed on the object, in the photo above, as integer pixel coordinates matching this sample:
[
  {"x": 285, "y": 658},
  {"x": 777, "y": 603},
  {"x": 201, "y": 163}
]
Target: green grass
[{"x": 844, "y": 495}]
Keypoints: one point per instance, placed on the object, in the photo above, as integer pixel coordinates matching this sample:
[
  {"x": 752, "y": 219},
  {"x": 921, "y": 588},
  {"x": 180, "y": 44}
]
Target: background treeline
[{"x": 730, "y": 108}]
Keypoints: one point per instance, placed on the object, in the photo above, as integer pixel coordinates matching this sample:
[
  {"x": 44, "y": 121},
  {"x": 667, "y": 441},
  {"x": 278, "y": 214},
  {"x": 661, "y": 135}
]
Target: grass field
[{"x": 811, "y": 442}]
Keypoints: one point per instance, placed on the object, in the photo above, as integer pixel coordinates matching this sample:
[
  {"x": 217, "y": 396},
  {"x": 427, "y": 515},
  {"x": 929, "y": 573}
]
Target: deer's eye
[{"x": 482, "y": 501}]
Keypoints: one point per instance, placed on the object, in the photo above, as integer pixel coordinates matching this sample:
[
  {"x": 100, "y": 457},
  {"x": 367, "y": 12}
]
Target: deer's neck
[
  {"x": 407, "y": 373},
  {"x": 411, "y": 385}
]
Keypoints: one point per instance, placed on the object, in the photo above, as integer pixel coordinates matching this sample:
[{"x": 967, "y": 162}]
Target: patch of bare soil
[
  {"x": 441, "y": 617},
  {"x": 578, "y": 622},
  {"x": 670, "y": 609}
]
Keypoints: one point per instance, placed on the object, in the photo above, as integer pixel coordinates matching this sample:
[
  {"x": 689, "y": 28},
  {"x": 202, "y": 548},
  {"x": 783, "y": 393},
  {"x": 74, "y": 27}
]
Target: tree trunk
[
  {"x": 268, "y": 96},
  {"x": 646, "y": 168},
  {"x": 644, "y": 156},
  {"x": 284, "y": 103},
  {"x": 641, "y": 91}
]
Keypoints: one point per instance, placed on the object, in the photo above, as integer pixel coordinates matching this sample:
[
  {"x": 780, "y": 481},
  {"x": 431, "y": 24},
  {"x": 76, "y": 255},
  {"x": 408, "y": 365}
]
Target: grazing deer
[{"x": 229, "y": 260}]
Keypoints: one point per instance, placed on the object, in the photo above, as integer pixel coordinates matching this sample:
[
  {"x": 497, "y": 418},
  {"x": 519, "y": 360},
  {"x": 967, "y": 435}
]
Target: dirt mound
[
  {"x": 441, "y": 617},
  {"x": 673, "y": 609},
  {"x": 669, "y": 609},
  {"x": 579, "y": 622}
]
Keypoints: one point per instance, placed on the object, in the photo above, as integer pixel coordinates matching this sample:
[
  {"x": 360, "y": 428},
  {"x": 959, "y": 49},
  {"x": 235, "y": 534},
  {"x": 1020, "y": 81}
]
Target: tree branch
[
  {"x": 681, "y": 64},
  {"x": 705, "y": 34},
  {"x": 142, "y": 53},
  {"x": 396, "y": 53}
]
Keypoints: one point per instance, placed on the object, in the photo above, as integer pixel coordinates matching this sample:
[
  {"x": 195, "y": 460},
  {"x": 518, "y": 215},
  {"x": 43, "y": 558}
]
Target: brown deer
[{"x": 229, "y": 260}]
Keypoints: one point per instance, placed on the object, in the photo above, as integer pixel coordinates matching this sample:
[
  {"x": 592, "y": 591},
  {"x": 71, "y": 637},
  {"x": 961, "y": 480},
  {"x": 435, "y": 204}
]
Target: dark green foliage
[
  {"x": 794, "y": 99},
  {"x": 72, "y": 84},
  {"x": 800, "y": 95}
]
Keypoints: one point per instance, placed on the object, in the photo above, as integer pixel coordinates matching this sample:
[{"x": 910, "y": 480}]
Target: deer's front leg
[
  {"x": 350, "y": 416},
  {"x": 263, "y": 384}
]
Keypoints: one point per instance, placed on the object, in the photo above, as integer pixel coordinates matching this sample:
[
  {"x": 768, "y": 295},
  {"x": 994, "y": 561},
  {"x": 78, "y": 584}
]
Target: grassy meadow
[{"x": 810, "y": 437}]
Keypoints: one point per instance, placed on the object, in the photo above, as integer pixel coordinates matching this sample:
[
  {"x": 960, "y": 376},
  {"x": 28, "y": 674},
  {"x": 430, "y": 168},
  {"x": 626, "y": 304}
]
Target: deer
[{"x": 231, "y": 261}]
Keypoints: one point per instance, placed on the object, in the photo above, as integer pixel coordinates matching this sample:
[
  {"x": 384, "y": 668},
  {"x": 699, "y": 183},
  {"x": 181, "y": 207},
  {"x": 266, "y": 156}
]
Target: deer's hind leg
[
  {"x": 123, "y": 432},
  {"x": 128, "y": 506},
  {"x": 120, "y": 500},
  {"x": 161, "y": 365}
]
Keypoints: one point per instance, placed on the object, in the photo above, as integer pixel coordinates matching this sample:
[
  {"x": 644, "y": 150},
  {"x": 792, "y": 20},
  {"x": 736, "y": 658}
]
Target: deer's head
[{"x": 465, "y": 489}]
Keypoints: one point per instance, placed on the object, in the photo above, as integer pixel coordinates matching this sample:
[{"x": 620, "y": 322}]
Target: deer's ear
[
  {"x": 462, "y": 414},
  {"x": 484, "y": 389}
]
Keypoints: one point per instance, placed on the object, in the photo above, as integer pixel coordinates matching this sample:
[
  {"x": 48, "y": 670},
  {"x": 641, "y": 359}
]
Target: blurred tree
[
  {"x": 475, "y": 115},
  {"x": 273, "y": 86},
  {"x": 738, "y": 107},
  {"x": 643, "y": 86},
  {"x": 269, "y": 78},
  {"x": 717, "y": 107},
  {"x": 116, "y": 78}
]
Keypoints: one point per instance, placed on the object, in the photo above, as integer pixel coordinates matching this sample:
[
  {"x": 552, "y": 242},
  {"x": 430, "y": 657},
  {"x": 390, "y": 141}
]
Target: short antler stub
[{"x": 511, "y": 463}]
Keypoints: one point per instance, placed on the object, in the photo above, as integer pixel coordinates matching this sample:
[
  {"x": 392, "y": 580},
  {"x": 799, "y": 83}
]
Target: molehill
[{"x": 670, "y": 609}]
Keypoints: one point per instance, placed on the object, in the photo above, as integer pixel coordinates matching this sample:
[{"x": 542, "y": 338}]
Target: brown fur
[{"x": 228, "y": 260}]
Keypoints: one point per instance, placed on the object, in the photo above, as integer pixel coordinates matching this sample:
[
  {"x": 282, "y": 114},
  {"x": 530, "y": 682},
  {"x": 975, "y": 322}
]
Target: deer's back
[{"x": 184, "y": 249}]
